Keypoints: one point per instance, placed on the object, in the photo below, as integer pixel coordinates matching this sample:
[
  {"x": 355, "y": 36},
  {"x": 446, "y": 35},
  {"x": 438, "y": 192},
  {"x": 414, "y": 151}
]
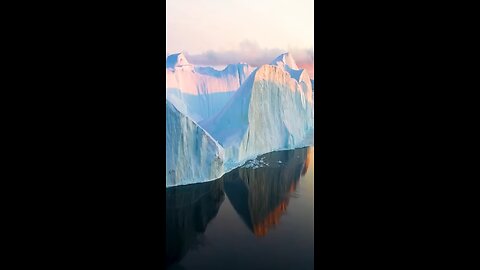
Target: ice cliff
[{"x": 192, "y": 155}]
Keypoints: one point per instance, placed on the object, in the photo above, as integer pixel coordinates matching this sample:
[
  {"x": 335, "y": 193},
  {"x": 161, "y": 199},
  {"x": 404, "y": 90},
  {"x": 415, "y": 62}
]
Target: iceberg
[{"x": 271, "y": 110}]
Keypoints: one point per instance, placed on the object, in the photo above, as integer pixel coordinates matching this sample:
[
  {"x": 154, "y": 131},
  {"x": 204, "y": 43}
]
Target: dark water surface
[{"x": 251, "y": 218}]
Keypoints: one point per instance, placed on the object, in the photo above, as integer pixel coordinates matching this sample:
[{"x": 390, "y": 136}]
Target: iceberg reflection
[
  {"x": 260, "y": 196},
  {"x": 189, "y": 210}
]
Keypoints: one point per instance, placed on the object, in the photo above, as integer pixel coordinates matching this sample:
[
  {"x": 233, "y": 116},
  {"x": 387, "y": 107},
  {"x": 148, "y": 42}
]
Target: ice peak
[
  {"x": 285, "y": 59},
  {"x": 177, "y": 60}
]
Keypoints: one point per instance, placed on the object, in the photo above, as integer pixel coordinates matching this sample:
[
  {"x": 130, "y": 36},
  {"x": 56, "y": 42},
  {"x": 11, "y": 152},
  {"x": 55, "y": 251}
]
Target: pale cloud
[{"x": 252, "y": 54}]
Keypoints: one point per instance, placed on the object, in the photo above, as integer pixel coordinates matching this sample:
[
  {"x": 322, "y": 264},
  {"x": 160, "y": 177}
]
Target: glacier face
[
  {"x": 216, "y": 130},
  {"x": 192, "y": 155}
]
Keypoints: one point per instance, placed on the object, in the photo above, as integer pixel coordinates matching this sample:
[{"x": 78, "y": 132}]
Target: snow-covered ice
[{"x": 200, "y": 92}]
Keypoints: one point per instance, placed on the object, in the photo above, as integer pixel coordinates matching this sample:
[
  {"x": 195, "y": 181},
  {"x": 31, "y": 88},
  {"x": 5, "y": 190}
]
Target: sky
[{"x": 220, "y": 32}]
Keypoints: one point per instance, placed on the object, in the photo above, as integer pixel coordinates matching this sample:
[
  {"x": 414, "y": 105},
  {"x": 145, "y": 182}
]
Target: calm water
[{"x": 251, "y": 218}]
